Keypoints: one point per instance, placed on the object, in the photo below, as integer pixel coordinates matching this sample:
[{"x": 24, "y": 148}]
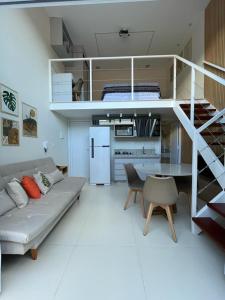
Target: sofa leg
[{"x": 34, "y": 254}]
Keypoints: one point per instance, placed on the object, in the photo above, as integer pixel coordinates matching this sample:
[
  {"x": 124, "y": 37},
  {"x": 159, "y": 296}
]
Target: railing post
[
  {"x": 194, "y": 180},
  {"x": 132, "y": 78},
  {"x": 174, "y": 78},
  {"x": 192, "y": 112},
  {"x": 91, "y": 83}
]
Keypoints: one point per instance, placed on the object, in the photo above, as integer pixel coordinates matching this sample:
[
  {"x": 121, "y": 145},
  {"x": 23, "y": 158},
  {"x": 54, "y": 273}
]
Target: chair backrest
[
  {"x": 132, "y": 175},
  {"x": 160, "y": 190}
]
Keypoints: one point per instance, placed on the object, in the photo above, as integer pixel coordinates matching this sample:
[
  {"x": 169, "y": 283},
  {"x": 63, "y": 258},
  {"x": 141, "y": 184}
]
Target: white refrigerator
[{"x": 99, "y": 143}]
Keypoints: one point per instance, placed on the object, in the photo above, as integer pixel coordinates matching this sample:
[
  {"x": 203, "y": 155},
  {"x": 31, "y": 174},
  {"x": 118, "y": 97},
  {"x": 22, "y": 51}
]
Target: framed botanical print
[
  {"x": 10, "y": 132},
  {"x": 29, "y": 115},
  {"x": 9, "y": 103}
]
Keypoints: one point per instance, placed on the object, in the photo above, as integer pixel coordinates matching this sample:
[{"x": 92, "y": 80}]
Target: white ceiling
[{"x": 156, "y": 27}]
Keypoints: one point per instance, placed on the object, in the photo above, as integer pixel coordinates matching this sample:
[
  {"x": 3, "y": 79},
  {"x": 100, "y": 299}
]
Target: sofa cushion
[
  {"x": 31, "y": 188},
  {"x": 55, "y": 176},
  {"x": 6, "y": 203},
  {"x": 17, "y": 193},
  {"x": 73, "y": 184},
  {"x": 43, "y": 183},
  {"x": 23, "y": 225}
]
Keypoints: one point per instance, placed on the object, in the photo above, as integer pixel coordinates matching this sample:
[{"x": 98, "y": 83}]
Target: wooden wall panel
[
  {"x": 186, "y": 147},
  {"x": 215, "y": 50}
]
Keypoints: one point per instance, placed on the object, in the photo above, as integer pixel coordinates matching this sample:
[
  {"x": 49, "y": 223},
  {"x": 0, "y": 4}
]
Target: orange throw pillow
[{"x": 31, "y": 187}]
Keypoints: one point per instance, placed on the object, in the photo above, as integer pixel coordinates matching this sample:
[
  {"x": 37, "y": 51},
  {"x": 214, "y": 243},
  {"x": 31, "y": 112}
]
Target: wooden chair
[
  {"x": 160, "y": 191},
  {"x": 184, "y": 184},
  {"x": 135, "y": 185}
]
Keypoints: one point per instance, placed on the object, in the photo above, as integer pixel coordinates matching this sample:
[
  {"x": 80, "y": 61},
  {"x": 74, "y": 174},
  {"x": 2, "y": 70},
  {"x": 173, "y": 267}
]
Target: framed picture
[
  {"x": 10, "y": 132},
  {"x": 9, "y": 103},
  {"x": 29, "y": 115}
]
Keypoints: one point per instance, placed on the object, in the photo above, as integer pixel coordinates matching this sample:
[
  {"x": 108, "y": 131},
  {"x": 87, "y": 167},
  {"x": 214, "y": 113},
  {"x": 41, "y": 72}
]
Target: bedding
[{"x": 122, "y": 92}]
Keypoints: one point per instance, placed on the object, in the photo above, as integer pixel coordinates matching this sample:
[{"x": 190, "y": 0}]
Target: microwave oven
[{"x": 124, "y": 130}]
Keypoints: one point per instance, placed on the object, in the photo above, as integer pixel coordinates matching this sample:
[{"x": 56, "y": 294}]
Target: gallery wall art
[
  {"x": 29, "y": 116},
  {"x": 9, "y": 103},
  {"x": 10, "y": 132}
]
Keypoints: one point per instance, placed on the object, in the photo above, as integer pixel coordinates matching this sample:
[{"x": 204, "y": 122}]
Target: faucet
[{"x": 143, "y": 150}]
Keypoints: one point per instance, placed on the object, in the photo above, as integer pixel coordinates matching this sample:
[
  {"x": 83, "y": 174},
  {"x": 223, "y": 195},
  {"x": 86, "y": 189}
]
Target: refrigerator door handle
[
  {"x": 92, "y": 148},
  {"x": 105, "y": 146}
]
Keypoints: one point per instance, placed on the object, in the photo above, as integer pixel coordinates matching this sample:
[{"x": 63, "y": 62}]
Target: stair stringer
[
  {"x": 214, "y": 164},
  {"x": 211, "y": 160}
]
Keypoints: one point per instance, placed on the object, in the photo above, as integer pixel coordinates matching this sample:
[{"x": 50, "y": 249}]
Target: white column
[
  {"x": 192, "y": 111},
  {"x": 194, "y": 181},
  {"x": 174, "y": 78},
  {"x": 91, "y": 83},
  {"x": 132, "y": 78},
  {"x": 50, "y": 80}
]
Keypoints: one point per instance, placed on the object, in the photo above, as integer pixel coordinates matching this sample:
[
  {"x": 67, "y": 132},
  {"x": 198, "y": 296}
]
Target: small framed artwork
[
  {"x": 29, "y": 115},
  {"x": 9, "y": 103},
  {"x": 10, "y": 132}
]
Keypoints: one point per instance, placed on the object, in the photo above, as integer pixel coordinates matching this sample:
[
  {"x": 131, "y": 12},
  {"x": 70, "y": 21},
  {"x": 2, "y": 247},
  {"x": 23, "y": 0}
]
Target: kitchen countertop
[{"x": 137, "y": 156}]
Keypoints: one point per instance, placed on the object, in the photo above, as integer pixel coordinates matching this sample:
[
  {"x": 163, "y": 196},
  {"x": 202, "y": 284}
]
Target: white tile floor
[{"x": 98, "y": 252}]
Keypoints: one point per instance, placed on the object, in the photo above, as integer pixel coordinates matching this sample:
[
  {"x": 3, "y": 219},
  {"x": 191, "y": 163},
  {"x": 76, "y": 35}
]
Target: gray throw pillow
[
  {"x": 6, "y": 203},
  {"x": 17, "y": 193},
  {"x": 55, "y": 176},
  {"x": 43, "y": 182}
]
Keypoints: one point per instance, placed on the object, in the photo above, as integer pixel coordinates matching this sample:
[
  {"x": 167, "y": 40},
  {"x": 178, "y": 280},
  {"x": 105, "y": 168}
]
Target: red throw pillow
[{"x": 31, "y": 187}]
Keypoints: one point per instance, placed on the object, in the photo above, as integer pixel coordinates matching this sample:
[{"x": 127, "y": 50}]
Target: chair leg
[
  {"x": 149, "y": 215},
  {"x": 172, "y": 215},
  {"x": 142, "y": 204},
  {"x": 128, "y": 199},
  {"x": 169, "y": 216},
  {"x": 135, "y": 197}
]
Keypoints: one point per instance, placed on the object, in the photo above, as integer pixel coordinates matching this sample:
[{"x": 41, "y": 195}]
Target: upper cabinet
[{"x": 60, "y": 39}]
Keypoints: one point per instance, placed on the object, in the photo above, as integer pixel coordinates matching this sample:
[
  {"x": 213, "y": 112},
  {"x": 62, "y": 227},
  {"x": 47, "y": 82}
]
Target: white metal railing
[
  {"x": 92, "y": 60},
  {"x": 214, "y": 66},
  {"x": 132, "y": 60}
]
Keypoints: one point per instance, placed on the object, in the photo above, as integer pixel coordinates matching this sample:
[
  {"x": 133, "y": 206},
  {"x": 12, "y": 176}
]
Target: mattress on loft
[{"x": 122, "y": 92}]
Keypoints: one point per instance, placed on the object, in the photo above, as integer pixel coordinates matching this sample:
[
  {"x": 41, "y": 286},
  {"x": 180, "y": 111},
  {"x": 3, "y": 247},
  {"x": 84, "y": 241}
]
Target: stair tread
[
  {"x": 213, "y": 229},
  {"x": 218, "y": 125},
  {"x": 215, "y": 133},
  {"x": 218, "y": 207},
  {"x": 197, "y": 105},
  {"x": 200, "y": 110}
]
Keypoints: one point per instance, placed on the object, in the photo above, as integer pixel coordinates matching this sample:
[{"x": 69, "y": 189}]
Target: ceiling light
[{"x": 124, "y": 33}]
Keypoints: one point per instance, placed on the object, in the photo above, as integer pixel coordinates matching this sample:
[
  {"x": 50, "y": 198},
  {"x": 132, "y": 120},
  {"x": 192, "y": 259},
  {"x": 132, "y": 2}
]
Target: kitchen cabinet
[{"x": 119, "y": 172}]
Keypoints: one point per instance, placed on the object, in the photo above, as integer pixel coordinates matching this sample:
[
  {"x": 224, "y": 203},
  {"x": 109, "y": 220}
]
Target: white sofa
[{"x": 25, "y": 228}]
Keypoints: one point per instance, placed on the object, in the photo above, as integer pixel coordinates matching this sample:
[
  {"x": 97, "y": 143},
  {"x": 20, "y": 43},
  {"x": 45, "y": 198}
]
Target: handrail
[
  {"x": 111, "y": 58},
  {"x": 212, "y": 120},
  {"x": 202, "y": 70},
  {"x": 214, "y": 65}
]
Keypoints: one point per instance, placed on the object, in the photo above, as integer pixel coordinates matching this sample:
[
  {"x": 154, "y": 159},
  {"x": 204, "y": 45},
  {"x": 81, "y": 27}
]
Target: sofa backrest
[{"x": 18, "y": 170}]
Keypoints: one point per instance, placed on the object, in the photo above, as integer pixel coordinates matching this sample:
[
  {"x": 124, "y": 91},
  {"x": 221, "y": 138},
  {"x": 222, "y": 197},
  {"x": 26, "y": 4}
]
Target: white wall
[{"x": 24, "y": 53}]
